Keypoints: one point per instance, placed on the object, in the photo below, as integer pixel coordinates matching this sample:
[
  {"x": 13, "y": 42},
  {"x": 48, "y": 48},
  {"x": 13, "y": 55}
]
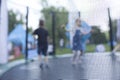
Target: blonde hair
[{"x": 78, "y": 19}]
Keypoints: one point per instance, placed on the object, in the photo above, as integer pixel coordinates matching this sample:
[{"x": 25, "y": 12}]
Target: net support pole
[
  {"x": 53, "y": 33},
  {"x": 110, "y": 31},
  {"x": 26, "y": 38}
]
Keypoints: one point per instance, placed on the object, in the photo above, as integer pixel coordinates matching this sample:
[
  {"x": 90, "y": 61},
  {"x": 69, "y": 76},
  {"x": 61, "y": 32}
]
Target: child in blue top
[
  {"x": 77, "y": 32},
  {"x": 76, "y": 43}
]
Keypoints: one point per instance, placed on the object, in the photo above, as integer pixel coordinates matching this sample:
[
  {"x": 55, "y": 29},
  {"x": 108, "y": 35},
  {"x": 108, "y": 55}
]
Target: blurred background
[
  {"x": 25, "y": 15},
  {"x": 18, "y": 46}
]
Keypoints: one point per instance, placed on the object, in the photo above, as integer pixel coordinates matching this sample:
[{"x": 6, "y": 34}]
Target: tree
[
  {"x": 44, "y": 3},
  {"x": 114, "y": 24},
  {"x": 61, "y": 17},
  {"x": 30, "y": 30},
  {"x": 12, "y": 18},
  {"x": 97, "y": 36}
]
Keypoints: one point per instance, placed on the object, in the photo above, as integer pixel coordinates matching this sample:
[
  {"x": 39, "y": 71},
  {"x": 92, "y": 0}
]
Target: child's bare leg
[
  {"x": 78, "y": 56},
  {"x": 46, "y": 59},
  {"x": 39, "y": 58},
  {"x": 116, "y": 48},
  {"x": 82, "y": 52},
  {"x": 74, "y": 57},
  {"x": 40, "y": 61}
]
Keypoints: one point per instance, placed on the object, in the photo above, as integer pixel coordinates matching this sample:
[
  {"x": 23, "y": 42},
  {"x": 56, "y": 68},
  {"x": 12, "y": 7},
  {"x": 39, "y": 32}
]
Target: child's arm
[
  {"x": 72, "y": 30},
  {"x": 83, "y": 31},
  {"x": 68, "y": 30},
  {"x": 35, "y": 34}
]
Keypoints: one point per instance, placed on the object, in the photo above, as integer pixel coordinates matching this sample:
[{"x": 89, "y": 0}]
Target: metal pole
[
  {"x": 0, "y": 6},
  {"x": 26, "y": 40},
  {"x": 79, "y": 14},
  {"x": 53, "y": 33},
  {"x": 0, "y": 10},
  {"x": 110, "y": 31}
]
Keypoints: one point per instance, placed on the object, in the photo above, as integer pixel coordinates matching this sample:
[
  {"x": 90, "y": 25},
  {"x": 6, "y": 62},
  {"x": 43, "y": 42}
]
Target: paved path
[{"x": 92, "y": 67}]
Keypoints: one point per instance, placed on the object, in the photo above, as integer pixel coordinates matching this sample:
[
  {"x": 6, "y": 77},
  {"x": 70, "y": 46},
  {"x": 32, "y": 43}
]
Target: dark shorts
[{"x": 42, "y": 50}]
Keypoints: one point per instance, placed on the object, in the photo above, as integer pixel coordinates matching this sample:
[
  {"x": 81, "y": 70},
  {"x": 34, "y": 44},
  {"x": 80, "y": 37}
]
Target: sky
[{"x": 94, "y": 12}]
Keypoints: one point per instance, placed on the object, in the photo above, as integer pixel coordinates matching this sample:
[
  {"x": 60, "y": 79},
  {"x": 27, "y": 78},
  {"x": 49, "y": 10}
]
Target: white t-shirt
[
  {"x": 50, "y": 48},
  {"x": 61, "y": 42}
]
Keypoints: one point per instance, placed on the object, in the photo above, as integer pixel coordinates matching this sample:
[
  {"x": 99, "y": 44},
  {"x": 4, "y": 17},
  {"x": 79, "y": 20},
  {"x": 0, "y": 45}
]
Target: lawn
[
  {"x": 89, "y": 48},
  {"x": 59, "y": 51},
  {"x": 20, "y": 57}
]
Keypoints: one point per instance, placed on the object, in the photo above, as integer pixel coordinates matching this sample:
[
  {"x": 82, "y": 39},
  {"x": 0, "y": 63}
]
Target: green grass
[
  {"x": 63, "y": 51},
  {"x": 89, "y": 48},
  {"x": 107, "y": 47},
  {"x": 20, "y": 57},
  {"x": 59, "y": 51}
]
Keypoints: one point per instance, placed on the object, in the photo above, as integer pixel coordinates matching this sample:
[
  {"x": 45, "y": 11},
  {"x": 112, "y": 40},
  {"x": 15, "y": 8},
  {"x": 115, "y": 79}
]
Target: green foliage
[
  {"x": 97, "y": 36},
  {"x": 30, "y": 30},
  {"x": 13, "y": 20},
  {"x": 114, "y": 28},
  {"x": 61, "y": 17},
  {"x": 44, "y": 3}
]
